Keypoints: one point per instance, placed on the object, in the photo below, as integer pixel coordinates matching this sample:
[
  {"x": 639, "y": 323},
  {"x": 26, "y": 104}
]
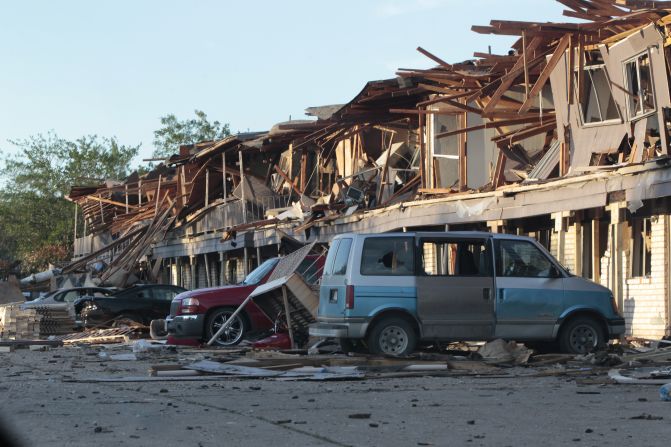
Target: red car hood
[{"x": 216, "y": 291}]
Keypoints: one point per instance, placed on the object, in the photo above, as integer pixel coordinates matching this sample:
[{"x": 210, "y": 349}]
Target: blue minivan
[{"x": 392, "y": 290}]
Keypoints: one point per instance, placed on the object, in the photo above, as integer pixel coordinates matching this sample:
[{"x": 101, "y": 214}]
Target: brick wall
[{"x": 643, "y": 298}]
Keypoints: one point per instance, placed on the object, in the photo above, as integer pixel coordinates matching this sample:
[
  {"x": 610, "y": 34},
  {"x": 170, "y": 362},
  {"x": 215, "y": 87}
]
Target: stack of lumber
[
  {"x": 18, "y": 324},
  {"x": 55, "y": 319}
]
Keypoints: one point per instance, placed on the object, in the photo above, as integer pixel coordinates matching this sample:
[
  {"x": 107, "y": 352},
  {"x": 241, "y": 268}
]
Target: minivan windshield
[{"x": 259, "y": 272}]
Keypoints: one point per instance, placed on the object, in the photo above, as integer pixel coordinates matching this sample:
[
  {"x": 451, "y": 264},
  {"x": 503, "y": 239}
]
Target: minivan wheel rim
[
  {"x": 583, "y": 338},
  {"x": 393, "y": 340},
  {"x": 232, "y": 333}
]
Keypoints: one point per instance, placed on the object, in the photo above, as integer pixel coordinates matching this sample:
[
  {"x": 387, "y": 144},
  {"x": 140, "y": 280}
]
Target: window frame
[
  {"x": 559, "y": 273},
  {"x": 589, "y": 69},
  {"x": 640, "y": 260},
  {"x": 485, "y": 242},
  {"x": 335, "y": 258},
  {"x": 638, "y": 77}
]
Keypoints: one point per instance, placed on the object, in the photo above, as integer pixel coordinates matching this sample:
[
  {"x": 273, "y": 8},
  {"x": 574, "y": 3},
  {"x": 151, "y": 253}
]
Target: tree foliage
[
  {"x": 174, "y": 133},
  {"x": 36, "y": 221}
]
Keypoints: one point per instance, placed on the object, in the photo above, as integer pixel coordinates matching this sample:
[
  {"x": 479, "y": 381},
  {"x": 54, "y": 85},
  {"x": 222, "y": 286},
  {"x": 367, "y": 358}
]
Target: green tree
[
  {"x": 36, "y": 221},
  {"x": 174, "y": 133}
]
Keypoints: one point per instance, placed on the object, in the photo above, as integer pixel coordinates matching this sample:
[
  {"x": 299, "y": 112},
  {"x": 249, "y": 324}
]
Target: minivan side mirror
[{"x": 554, "y": 272}]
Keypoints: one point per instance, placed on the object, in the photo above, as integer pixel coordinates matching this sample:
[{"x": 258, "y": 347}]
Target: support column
[
  {"x": 242, "y": 190},
  {"x": 207, "y": 270},
  {"x": 560, "y": 228},
  {"x": 615, "y": 275},
  {"x": 222, "y": 268},
  {"x": 596, "y": 260},
  {"x": 579, "y": 235},
  {"x": 246, "y": 260},
  {"x": 495, "y": 226},
  {"x": 193, "y": 264},
  {"x": 178, "y": 273}
]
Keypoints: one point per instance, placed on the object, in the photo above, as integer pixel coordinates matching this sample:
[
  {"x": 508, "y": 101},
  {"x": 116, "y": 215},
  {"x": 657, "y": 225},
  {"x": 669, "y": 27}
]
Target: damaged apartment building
[{"x": 564, "y": 139}]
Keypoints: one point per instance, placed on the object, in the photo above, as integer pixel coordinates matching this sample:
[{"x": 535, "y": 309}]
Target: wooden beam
[
  {"x": 581, "y": 68},
  {"x": 158, "y": 193},
  {"x": 463, "y": 153},
  {"x": 571, "y": 64},
  {"x": 405, "y": 188},
  {"x": 547, "y": 71},
  {"x": 507, "y": 80},
  {"x": 526, "y": 67},
  {"x": 525, "y": 133},
  {"x": 304, "y": 167},
  {"x": 112, "y": 202},
  {"x": 287, "y": 313},
  {"x": 490, "y": 125},
  {"x": 434, "y": 58},
  {"x": 288, "y": 180},
  {"x": 499, "y": 170},
  {"x": 422, "y": 151}
]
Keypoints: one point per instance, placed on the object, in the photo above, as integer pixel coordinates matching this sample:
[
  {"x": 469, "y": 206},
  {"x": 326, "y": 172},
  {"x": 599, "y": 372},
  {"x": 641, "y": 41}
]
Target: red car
[{"x": 198, "y": 314}]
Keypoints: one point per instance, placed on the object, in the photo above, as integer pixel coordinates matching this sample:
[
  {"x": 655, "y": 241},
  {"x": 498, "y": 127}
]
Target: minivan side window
[
  {"x": 521, "y": 259},
  {"x": 330, "y": 257},
  {"x": 340, "y": 262},
  {"x": 388, "y": 256},
  {"x": 455, "y": 258}
]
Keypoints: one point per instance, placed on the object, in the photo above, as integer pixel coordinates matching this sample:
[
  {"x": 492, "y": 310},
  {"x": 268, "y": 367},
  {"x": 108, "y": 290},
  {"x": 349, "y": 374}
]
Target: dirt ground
[{"x": 42, "y": 406}]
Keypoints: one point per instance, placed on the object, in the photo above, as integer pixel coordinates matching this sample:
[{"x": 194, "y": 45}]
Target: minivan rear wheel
[
  {"x": 392, "y": 336},
  {"x": 582, "y": 335}
]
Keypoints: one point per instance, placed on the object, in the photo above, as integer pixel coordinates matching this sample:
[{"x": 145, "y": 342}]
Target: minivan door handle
[{"x": 486, "y": 293}]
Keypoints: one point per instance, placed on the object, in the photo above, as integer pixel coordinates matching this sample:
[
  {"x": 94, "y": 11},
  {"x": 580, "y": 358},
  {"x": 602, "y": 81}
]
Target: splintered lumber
[{"x": 114, "y": 335}]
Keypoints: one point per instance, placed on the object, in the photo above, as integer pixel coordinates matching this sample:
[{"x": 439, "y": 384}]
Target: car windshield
[
  {"x": 259, "y": 272},
  {"x": 47, "y": 295}
]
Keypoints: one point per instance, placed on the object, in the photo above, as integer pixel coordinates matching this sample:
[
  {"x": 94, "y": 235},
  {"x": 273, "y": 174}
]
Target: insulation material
[
  {"x": 636, "y": 195},
  {"x": 474, "y": 210},
  {"x": 294, "y": 212}
]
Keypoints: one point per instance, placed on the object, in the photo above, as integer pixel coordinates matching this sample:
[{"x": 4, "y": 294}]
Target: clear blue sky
[{"x": 113, "y": 68}]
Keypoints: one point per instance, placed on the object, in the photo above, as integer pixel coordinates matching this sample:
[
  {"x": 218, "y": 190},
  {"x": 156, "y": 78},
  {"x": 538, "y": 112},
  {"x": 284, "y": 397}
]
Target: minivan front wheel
[
  {"x": 581, "y": 335},
  {"x": 392, "y": 336}
]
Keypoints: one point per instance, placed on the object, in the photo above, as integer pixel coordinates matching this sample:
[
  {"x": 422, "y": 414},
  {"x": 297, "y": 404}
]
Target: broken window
[
  {"x": 641, "y": 250},
  {"x": 388, "y": 256},
  {"x": 597, "y": 103},
  {"x": 639, "y": 86},
  {"x": 455, "y": 258}
]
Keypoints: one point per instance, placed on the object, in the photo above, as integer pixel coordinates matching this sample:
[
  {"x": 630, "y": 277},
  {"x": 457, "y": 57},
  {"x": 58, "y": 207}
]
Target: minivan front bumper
[
  {"x": 339, "y": 330},
  {"x": 616, "y": 327}
]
